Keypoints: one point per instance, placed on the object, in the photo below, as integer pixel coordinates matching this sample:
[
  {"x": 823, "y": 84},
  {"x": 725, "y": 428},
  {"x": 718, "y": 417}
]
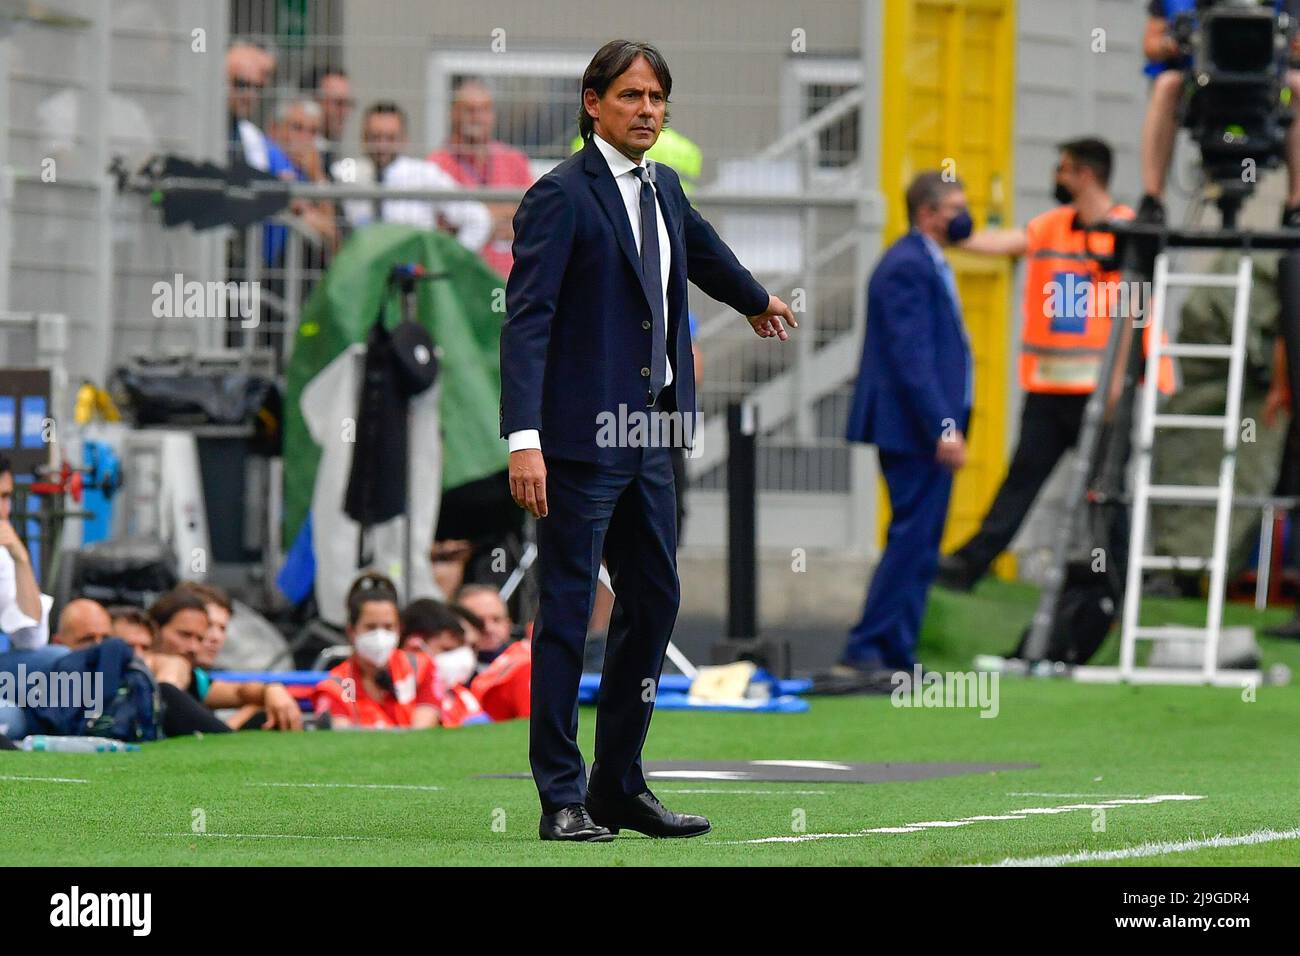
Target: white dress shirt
[
  {"x": 472, "y": 221},
  {"x": 629, "y": 186},
  {"x": 25, "y": 634}
]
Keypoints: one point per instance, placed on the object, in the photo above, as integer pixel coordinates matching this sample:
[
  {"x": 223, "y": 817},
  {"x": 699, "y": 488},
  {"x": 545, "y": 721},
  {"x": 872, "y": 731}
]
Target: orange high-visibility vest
[{"x": 1068, "y": 302}]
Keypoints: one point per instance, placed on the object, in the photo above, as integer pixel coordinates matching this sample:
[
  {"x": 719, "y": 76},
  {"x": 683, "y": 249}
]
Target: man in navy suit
[
  {"x": 596, "y": 339},
  {"x": 913, "y": 402}
]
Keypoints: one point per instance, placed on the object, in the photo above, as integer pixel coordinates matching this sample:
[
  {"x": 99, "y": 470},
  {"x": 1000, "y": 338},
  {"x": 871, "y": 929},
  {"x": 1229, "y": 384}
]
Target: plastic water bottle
[{"x": 76, "y": 745}]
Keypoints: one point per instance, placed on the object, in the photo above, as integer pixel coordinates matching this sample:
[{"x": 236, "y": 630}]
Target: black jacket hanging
[{"x": 398, "y": 366}]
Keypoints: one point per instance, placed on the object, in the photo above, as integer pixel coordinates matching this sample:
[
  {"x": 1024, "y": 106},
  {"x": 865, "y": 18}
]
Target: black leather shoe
[
  {"x": 1151, "y": 210},
  {"x": 644, "y": 814},
  {"x": 954, "y": 575},
  {"x": 574, "y": 824}
]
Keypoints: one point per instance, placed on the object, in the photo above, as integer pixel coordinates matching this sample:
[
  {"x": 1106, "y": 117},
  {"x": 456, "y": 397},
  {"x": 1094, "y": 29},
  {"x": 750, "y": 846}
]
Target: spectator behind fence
[
  {"x": 485, "y": 601},
  {"x": 380, "y": 685},
  {"x": 333, "y": 94},
  {"x": 295, "y": 130},
  {"x": 182, "y": 620},
  {"x": 134, "y": 626},
  {"x": 474, "y": 158},
  {"x": 384, "y": 138},
  {"x": 248, "y": 70},
  {"x": 434, "y": 628}
]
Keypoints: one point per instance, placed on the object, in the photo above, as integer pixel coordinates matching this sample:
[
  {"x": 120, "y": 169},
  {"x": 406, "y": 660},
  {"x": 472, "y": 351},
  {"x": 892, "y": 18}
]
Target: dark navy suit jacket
[
  {"x": 912, "y": 378},
  {"x": 577, "y": 331}
]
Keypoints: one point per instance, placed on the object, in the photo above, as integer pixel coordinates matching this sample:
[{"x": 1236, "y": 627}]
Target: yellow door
[{"x": 947, "y": 100}]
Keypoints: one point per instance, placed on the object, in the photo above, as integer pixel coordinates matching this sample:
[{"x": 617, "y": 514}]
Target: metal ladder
[{"x": 1146, "y": 494}]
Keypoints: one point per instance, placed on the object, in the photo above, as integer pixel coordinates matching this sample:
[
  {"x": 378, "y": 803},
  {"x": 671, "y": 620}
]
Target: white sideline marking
[
  {"x": 761, "y": 793},
  {"x": 46, "y": 779},
  {"x": 1151, "y": 849},
  {"x": 805, "y": 764},
  {"x": 262, "y": 836},
  {"x": 350, "y": 786},
  {"x": 964, "y": 821},
  {"x": 1031, "y": 793}
]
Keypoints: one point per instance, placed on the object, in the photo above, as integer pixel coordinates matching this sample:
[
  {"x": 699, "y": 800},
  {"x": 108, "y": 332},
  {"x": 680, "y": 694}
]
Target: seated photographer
[
  {"x": 1167, "y": 62},
  {"x": 181, "y": 617},
  {"x": 380, "y": 685}
]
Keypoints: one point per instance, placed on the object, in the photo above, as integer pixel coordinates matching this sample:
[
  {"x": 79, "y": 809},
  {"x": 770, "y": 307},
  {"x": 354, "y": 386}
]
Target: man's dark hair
[
  {"x": 6, "y": 466},
  {"x": 370, "y": 586},
  {"x": 173, "y": 602},
  {"x": 210, "y": 593},
  {"x": 133, "y": 615},
  {"x": 427, "y": 617},
  {"x": 928, "y": 189},
  {"x": 385, "y": 107},
  {"x": 466, "y": 615},
  {"x": 610, "y": 62},
  {"x": 1090, "y": 153},
  {"x": 312, "y": 81}
]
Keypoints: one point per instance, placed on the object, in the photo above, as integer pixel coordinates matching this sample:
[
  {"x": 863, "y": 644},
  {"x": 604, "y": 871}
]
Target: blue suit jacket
[
  {"x": 577, "y": 331},
  {"x": 911, "y": 381}
]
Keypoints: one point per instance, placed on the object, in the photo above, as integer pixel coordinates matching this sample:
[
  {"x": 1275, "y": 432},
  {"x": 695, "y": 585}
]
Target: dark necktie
[{"x": 653, "y": 284}]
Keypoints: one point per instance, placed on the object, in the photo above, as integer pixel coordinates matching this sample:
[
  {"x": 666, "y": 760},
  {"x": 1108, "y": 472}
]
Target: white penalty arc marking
[
  {"x": 803, "y": 764},
  {"x": 1152, "y": 849},
  {"x": 966, "y": 821},
  {"x": 350, "y": 786},
  {"x": 45, "y": 779}
]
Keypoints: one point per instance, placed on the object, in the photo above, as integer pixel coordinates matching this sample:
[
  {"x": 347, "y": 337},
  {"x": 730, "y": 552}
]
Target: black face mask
[{"x": 1062, "y": 194}]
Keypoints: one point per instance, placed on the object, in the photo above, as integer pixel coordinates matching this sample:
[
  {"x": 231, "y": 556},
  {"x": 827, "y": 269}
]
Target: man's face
[
  {"x": 6, "y": 495},
  {"x": 297, "y": 132},
  {"x": 183, "y": 634},
  {"x": 335, "y": 98},
  {"x": 84, "y": 625},
  {"x": 1070, "y": 175},
  {"x": 473, "y": 117},
  {"x": 214, "y": 638},
  {"x": 375, "y": 615},
  {"x": 246, "y": 77},
  {"x": 941, "y": 213},
  {"x": 384, "y": 138},
  {"x": 631, "y": 113},
  {"x": 139, "y": 637},
  {"x": 496, "y": 619}
]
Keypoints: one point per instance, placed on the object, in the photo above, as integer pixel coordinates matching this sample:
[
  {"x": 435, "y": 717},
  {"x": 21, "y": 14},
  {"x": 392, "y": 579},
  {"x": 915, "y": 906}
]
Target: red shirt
[
  {"x": 505, "y": 167},
  {"x": 503, "y": 688},
  {"x": 343, "y": 693}
]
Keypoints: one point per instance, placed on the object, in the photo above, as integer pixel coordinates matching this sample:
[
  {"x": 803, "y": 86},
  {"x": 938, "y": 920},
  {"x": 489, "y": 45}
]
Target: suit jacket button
[
  {"x": 645, "y": 373},
  {"x": 646, "y": 325}
]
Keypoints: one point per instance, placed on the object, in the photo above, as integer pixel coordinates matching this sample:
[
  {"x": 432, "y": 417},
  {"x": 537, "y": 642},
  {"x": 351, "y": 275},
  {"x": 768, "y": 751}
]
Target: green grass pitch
[{"x": 418, "y": 799}]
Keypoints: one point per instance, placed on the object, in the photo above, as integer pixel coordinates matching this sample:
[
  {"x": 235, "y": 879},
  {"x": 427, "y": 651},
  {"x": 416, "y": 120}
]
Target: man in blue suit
[
  {"x": 913, "y": 402},
  {"x": 597, "y": 387}
]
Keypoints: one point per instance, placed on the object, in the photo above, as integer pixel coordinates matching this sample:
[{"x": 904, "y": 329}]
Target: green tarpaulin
[{"x": 463, "y": 313}]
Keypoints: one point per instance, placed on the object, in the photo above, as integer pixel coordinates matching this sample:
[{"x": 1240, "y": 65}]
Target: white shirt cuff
[
  {"x": 525, "y": 438},
  {"x": 24, "y": 633}
]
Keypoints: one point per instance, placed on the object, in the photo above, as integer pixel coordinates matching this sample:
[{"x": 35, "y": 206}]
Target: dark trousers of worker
[
  {"x": 628, "y": 514},
  {"x": 1049, "y": 427},
  {"x": 919, "y": 488}
]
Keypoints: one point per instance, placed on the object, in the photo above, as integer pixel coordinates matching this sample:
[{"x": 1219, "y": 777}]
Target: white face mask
[
  {"x": 376, "y": 646},
  {"x": 456, "y": 666}
]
